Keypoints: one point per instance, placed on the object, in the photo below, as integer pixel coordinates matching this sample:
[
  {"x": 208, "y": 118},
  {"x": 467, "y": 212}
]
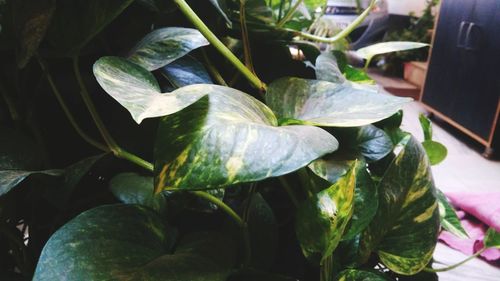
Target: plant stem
[
  {"x": 91, "y": 108},
  {"x": 244, "y": 34},
  {"x": 201, "y": 26},
  {"x": 289, "y": 190},
  {"x": 341, "y": 35},
  {"x": 66, "y": 110},
  {"x": 220, "y": 204},
  {"x": 135, "y": 159},
  {"x": 455, "y": 265},
  {"x": 211, "y": 68},
  {"x": 289, "y": 14},
  {"x": 14, "y": 114}
]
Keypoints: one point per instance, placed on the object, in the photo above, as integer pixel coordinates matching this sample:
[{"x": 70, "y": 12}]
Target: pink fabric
[{"x": 477, "y": 213}]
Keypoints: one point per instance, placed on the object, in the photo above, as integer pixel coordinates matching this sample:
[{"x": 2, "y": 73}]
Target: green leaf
[
  {"x": 426, "y": 126},
  {"x": 227, "y": 138},
  {"x": 405, "y": 228},
  {"x": 360, "y": 275},
  {"x": 322, "y": 219},
  {"x": 263, "y": 232},
  {"x": 436, "y": 151},
  {"x": 131, "y": 242},
  {"x": 137, "y": 90},
  {"x": 448, "y": 217},
  {"x": 166, "y": 45},
  {"x": 247, "y": 274},
  {"x": 11, "y": 178},
  {"x": 492, "y": 239},
  {"x": 186, "y": 71},
  {"x": 328, "y": 104},
  {"x": 258, "y": 11},
  {"x": 369, "y": 52},
  {"x": 357, "y": 75},
  {"x": 327, "y": 68},
  {"x": 60, "y": 195},
  {"x": 76, "y": 22},
  {"x": 131, "y": 188},
  {"x": 31, "y": 18},
  {"x": 365, "y": 193}
]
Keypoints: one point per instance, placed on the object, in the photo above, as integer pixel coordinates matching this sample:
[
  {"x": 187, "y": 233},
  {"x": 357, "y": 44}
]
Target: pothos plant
[{"x": 264, "y": 168}]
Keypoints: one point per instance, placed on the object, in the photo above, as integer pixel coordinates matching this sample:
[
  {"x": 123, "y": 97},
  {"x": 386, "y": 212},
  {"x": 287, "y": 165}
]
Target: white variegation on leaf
[
  {"x": 327, "y": 104},
  {"x": 369, "y": 52}
]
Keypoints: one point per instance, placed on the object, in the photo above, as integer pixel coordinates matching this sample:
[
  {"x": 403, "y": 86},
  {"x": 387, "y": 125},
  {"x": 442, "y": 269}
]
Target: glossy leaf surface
[
  {"x": 131, "y": 188},
  {"x": 388, "y": 47},
  {"x": 130, "y": 242},
  {"x": 186, "y": 71},
  {"x": 165, "y": 45},
  {"x": 449, "y": 218},
  {"x": 327, "y": 69},
  {"x": 321, "y": 219},
  {"x": 137, "y": 90},
  {"x": 361, "y": 275},
  {"x": 492, "y": 239},
  {"x": 76, "y": 22},
  {"x": 228, "y": 137},
  {"x": 405, "y": 228},
  {"x": 328, "y": 104}
]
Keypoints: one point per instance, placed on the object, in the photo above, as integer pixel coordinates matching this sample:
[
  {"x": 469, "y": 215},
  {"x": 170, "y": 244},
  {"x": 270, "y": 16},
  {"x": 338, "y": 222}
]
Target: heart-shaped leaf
[
  {"x": 328, "y": 104},
  {"x": 327, "y": 68},
  {"x": 228, "y": 137},
  {"x": 405, "y": 228},
  {"x": 131, "y": 242},
  {"x": 186, "y": 71},
  {"x": 131, "y": 188},
  {"x": 436, "y": 151},
  {"x": 365, "y": 193},
  {"x": 321, "y": 219},
  {"x": 361, "y": 275},
  {"x": 165, "y": 45},
  {"x": 449, "y": 218},
  {"x": 11, "y": 178},
  {"x": 76, "y": 22},
  {"x": 492, "y": 239},
  {"x": 137, "y": 90},
  {"x": 369, "y": 52}
]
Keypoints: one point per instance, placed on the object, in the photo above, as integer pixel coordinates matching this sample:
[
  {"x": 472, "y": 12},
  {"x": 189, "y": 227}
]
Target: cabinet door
[
  {"x": 461, "y": 80},
  {"x": 476, "y": 100}
]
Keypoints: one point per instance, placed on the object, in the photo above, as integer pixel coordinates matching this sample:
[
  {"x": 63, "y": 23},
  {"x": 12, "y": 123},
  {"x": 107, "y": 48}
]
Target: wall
[{"x": 404, "y": 7}]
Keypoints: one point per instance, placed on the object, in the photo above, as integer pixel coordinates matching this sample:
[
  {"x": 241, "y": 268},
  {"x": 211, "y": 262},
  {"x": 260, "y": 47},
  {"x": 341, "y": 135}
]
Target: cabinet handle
[
  {"x": 461, "y": 40},
  {"x": 470, "y": 45}
]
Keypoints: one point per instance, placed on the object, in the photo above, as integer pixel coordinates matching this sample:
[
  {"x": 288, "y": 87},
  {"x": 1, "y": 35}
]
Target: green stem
[
  {"x": 14, "y": 114},
  {"x": 289, "y": 190},
  {"x": 91, "y": 108},
  {"x": 341, "y": 35},
  {"x": 212, "y": 199},
  {"x": 66, "y": 110},
  {"x": 289, "y": 14},
  {"x": 211, "y": 68},
  {"x": 202, "y": 27},
  {"x": 455, "y": 265},
  {"x": 135, "y": 159}
]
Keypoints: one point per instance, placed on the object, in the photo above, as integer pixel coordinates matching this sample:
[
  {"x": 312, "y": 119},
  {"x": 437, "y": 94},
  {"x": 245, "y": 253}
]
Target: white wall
[{"x": 404, "y": 7}]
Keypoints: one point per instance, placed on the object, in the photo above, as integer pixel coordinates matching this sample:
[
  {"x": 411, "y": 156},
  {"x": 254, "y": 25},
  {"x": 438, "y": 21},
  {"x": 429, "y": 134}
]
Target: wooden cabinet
[{"x": 462, "y": 84}]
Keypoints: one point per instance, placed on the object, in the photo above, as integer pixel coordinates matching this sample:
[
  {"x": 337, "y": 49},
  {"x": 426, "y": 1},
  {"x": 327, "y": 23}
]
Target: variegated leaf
[
  {"x": 322, "y": 103},
  {"x": 131, "y": 242},
  {"x": 165, "y": 45},
  {"x": 388, "y": 47},
  {"x": 405, "y": 229},
  {"x": 229, "y": 137},
  {"x": 361, "y": 275},
  {"x": 321, "y": 220},
  {"x": 131, "y": 188},
  {"x": 449, "y": 219},
  {"x": 137, "y": 90},
  {"x": 327, "y": 68}
]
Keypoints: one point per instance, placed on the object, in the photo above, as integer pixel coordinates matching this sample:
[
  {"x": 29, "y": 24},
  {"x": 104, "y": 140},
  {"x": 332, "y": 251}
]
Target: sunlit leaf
[
  {"x": 492, "y": 239},
  {"x": 322, "y": 103},
  {"x": 227, "y": 138},
  {"x": 388, "y": 47},
  {"x": 321, "y": 219},
  {"x": 426, "y": 127},
  {"x": 165, "y": 45},
  {"x": 405, "y": 229},
  {"x": 436, "y": 151}
]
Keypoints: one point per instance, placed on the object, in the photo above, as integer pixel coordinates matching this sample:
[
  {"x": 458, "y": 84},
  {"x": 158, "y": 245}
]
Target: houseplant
[{"x": 303, "y": 186}]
